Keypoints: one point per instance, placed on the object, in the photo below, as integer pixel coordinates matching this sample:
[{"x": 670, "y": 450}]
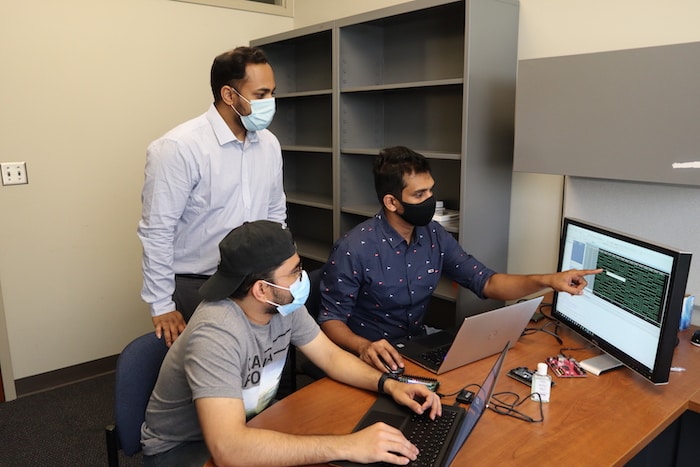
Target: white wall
[{"x": 86, "y": 85}]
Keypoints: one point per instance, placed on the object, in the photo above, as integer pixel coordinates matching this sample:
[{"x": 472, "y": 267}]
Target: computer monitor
[{"x": 632, "y": 309}]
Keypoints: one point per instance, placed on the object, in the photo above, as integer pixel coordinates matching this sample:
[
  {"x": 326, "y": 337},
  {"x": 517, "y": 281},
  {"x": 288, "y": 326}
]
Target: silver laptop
[{"x": 478, "y": 337}]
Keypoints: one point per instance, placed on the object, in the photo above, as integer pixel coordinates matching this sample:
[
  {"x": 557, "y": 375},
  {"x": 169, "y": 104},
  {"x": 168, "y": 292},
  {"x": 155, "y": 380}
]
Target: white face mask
[{"x": 261, "y": 113}]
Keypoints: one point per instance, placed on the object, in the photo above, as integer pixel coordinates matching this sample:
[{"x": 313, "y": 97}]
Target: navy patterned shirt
[{"x": 380, "y": 286}]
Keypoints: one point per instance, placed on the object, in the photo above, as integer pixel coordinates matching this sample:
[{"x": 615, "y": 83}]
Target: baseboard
[{"x": 64, "y": 376}]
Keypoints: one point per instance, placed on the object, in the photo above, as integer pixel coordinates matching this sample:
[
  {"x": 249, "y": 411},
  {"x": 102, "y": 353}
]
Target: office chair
[
  {"x": 313, "y": 305},
  {"x": 135, "y": 377}
]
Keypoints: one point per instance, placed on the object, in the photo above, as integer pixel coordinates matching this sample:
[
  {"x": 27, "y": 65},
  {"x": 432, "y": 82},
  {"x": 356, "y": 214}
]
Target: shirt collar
[
  {"x": 221, "y": 130},
  {"x": 392, "y": 236}
]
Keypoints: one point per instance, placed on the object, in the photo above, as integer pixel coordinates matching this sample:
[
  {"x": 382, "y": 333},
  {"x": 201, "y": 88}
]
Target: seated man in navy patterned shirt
[{"x": 377, "y": 283}]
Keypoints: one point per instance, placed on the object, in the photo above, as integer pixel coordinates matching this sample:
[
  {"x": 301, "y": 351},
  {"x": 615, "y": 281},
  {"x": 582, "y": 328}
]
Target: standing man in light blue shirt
[{"x": 202, "y": 179}]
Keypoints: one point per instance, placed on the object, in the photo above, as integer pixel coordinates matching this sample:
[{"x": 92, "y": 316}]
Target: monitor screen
[{"x": 631, "y": 310}]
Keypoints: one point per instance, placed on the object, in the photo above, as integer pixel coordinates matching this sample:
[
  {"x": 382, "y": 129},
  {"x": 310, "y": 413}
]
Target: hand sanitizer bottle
[{"x": 541, "y": 384}]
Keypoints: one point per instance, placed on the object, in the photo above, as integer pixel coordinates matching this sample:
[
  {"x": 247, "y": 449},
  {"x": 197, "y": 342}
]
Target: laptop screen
[{"x": 478, "y": 406}]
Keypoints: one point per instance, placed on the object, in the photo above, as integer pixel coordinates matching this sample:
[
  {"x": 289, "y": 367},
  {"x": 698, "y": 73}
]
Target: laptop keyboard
[
  {"x": 429, "y": 436},
  {"x": 436, "y": 356}
]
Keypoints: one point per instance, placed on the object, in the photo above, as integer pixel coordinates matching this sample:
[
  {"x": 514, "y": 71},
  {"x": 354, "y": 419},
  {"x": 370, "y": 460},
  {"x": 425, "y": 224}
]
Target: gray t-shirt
[{"x": 220, "y": 354}]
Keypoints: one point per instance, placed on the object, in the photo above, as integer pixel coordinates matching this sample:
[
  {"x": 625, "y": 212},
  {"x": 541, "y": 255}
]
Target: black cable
[
  {"x": 552, "y": 321},
  {"x": 528, "y": 331},
  {"x": 539, "y": 308},
  {"x": 504, "y": 408},
  {"x": 545, "y": 305},
  {"x": 585, "y": 347}
]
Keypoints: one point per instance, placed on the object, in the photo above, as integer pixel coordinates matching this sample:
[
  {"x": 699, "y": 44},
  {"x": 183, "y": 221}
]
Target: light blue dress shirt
[{"x": 201, "y": 182}]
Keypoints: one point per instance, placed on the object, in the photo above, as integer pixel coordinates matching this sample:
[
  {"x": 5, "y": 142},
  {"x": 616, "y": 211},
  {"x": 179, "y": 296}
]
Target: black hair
[
  {"x": 230, "y": 67},
  {"x": 391, "y": 165},
  {"x": 251, "y": 279}
]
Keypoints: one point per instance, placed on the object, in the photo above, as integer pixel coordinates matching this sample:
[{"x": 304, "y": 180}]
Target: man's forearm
[
  {"x": 339, "y": 364},
  {"x": 340, "y": 333},
  {"x": 266, "y": 447},
  {"x": 514, "y": 286}
]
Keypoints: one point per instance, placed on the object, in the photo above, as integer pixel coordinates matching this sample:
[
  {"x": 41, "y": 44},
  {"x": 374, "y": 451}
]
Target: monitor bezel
[{"x": 668, "y": 339}]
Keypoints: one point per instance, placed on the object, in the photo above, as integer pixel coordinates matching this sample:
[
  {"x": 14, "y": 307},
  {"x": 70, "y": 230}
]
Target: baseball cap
[{"x": 252, "y": 247}]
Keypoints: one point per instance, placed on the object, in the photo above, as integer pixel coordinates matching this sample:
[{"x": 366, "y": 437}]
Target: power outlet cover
[{"x": 14, "y": 173}]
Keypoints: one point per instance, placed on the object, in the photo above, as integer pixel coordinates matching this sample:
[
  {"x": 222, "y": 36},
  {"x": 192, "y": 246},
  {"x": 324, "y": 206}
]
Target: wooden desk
[{"x": 597, "y": 420}]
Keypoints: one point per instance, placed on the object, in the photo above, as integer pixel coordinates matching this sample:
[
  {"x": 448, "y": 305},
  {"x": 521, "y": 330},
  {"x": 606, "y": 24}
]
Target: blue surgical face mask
[
  {"x": 300, "y": 292},
  {"x": 261, "y": 113}
]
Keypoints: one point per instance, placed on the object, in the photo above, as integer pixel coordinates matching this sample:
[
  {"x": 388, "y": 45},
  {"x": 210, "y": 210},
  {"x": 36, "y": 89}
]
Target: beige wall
[
  {"x": 87, "y": 84},
  {"x": 564, "y": 27},
  {"x": 308, "y": 12}
]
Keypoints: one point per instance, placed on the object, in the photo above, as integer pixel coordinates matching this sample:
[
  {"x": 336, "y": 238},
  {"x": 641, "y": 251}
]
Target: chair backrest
[
  {"x": 136, "y": 375},
  {"x": 313, "y": 303}
]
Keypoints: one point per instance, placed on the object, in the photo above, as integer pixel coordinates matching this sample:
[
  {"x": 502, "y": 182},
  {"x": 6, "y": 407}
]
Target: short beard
[{"x": 272, "y": 310}]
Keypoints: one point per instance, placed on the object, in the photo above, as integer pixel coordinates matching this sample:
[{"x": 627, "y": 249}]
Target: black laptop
[{"x": 439, "y": 440}]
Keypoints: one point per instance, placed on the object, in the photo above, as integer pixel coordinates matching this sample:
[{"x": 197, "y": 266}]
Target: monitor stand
[{"x": 600, "y": 364}]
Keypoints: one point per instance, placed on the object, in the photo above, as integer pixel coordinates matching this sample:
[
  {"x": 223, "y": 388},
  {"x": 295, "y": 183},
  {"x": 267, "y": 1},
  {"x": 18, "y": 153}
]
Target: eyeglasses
[{"x": 297, "y": 271}]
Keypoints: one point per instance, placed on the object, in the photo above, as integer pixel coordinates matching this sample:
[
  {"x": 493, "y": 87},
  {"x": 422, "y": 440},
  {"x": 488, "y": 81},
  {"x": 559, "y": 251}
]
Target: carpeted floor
[
  {"x": 65, "y": 426},
  {"x": 61, "y": 427}
]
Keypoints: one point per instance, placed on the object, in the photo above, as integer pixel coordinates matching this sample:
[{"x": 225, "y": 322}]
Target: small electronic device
[
  {"x": 695, "y": 338},
  {"x": 430, "y": 383},
  {"x": 523, "y": 375},
  {"x": 565, "y": 367},
  {"x": 465, "y": 396}
]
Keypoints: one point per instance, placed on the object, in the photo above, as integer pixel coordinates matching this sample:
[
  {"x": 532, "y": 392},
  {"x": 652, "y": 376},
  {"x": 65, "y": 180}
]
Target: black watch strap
[{"x": 382, "y": 380}]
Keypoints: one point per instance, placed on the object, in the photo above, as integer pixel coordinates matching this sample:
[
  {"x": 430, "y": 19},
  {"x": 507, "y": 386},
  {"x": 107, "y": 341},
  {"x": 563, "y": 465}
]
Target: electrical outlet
[{"x": 14, "y": 173}]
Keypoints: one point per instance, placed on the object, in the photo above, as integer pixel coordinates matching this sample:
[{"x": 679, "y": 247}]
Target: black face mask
[{"x": 419, "y": 214}]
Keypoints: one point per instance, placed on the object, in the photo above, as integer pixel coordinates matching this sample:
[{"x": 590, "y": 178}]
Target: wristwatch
[{"x": 382, "y": 380}]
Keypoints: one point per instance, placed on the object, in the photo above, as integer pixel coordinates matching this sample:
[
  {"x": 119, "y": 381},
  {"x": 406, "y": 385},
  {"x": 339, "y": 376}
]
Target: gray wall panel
[{"x": 625, "y": 115}]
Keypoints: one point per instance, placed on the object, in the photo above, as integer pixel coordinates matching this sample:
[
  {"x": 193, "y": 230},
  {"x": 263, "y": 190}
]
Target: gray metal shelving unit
[{"x": 436, "y": 76}]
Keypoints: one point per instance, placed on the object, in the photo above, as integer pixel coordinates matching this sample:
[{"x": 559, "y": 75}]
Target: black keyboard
[
  {"x": 429, "y": 436},
  {"x": 436, "y": 356}
]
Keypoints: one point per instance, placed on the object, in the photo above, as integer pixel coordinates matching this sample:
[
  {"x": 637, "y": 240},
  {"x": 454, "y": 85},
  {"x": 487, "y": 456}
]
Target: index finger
[
  {"x": 433, "y": 403},
  {"x": 169, "y": 335},
  {"x": 385, "y": 356},
  {"x": 391, "y": 355}
]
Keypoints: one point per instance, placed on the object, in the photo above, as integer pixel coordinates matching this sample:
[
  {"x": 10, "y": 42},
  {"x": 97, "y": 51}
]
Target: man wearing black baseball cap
[{"x": 226, "y": 366}]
